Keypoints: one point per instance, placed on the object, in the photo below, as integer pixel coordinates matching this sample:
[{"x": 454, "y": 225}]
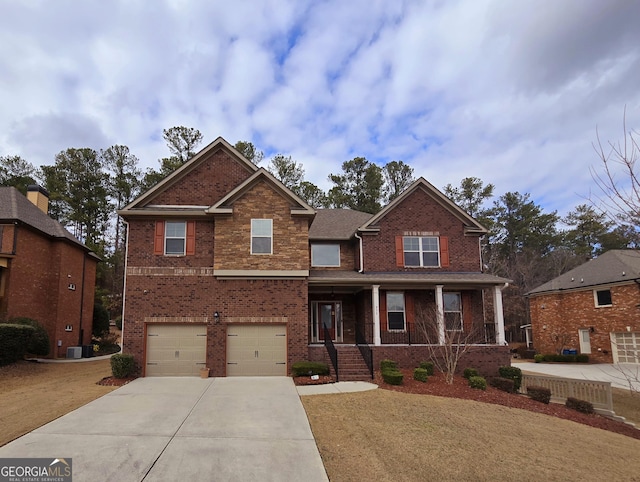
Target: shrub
[
  {"x": 388, "y": 364},
  {"x": 554, "y": 357},
  {"x": 427, "y": 365},
  {"x": 122, "y": 365},
  {"x": 107, "y": 344},
  {"x": 470, "y": 372},
  {"x": 582, "y": 358},
  {"x": 539, "y": 394},
  {"x": 420, "y": 374},
  {"x": 579, "y": 405},
  {"x": 538, "y": 358},
  {"x": 525, "y": 352},
  {"x": 504, "y": 384},
  {"x": 305, "y": 368},
  {"x": 100, "y": 320},
  {"x": 118, "y": 321},
  {"x": 514, "y": 373},
  {"x": 478, "y": 383},
  {"x": 14, "y": 340},
  {"x": 392, "y": 377},
  {"x": 39, "y": 342}
]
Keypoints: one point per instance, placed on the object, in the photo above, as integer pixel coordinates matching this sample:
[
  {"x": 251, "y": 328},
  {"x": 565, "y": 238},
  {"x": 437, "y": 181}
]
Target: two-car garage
[{"x": 251, "y": 349}]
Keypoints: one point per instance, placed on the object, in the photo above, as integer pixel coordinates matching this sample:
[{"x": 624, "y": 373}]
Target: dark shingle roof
[
  {"x": 15, "y": 207},
  {"x": 336, "y": 224},
  {"x": 615, "y": 266}
]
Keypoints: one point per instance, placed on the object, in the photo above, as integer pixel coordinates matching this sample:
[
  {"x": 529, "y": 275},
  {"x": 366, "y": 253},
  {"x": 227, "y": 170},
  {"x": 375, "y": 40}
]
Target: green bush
[
  {"x": 388, "y": 364},
  {"x": 427, "y": 365},
  {"x": 554, "y": 357},
  {"x": 122, "y": 365},
  {"x": 470, "y": 372},
  {"x": 579, "y": 405},
  {"x": 514, "y": 373},
  {"x": 420, "y": 374},
  {"x": 39, "y": 343},
  {"x": 504, "y": 384},
  {"x": 392, "y": 377},
  {"x": 582, "y": 358},
  {"x": 538, "y": 357},
  {"x": 100, "y": 320},
  {"x": 14, "y": 340},
  {"x": 478, "y": 383},
  {"x": 539, "y": 394},
  {"x": 306, "y": 368},
  {"x": 118, "y": 321}
]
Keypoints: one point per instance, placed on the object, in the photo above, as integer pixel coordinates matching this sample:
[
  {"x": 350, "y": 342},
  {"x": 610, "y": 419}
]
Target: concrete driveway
[
  {"x": 168, "y": 429},
  {"x": 620, "y": 375}
]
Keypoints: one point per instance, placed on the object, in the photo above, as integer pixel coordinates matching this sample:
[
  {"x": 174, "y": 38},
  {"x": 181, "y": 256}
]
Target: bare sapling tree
[{"x": 447, "y": 337}]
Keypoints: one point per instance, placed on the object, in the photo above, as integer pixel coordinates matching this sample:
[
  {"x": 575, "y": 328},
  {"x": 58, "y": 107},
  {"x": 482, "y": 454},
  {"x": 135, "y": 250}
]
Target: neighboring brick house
[
  {"x": 593, "y": 309},
  {"x": 45, "y": 273},
  {"x": 229, "y": 269}
]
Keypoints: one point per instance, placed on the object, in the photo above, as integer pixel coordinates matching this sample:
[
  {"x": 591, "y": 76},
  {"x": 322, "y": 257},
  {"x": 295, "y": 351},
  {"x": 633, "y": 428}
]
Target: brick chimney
[{"x": 39, "y": 196}]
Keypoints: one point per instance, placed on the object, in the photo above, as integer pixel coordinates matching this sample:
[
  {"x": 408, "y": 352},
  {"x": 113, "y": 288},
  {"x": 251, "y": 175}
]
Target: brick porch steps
[{"x": 351, "y": 365}]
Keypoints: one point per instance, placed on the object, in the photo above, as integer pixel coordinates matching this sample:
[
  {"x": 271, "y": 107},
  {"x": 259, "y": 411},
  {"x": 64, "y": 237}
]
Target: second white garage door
[
  {"x": 256, "y": 350},
  {"x": 176, "y": 350},
  {"x": 625, "y": 347}
]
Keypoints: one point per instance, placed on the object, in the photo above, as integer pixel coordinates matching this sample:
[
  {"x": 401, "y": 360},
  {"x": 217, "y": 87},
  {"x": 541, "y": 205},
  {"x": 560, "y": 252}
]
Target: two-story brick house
[
  {"x": 229, "y": 269},
  {"x": 593, "y": 309},
  {"x": 45, "y": 272}
]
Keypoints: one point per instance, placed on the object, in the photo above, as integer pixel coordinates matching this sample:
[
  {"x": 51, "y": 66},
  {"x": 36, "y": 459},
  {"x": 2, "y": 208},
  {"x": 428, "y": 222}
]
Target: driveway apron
[{"x": 170, "y": 428}]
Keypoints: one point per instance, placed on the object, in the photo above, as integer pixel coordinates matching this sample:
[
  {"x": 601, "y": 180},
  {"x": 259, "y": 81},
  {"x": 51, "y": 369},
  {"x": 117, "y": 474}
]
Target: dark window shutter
[
  {"x": 158, "y": 240},
  {"x": 467, "y": 312},
  {"x": 191, "y": 238},
  {"x": 410, "y": 308},
  {"x": 383, "y": 311},
  {"x": 444, "y": 251},
  {"x": 399, "y": 252}
]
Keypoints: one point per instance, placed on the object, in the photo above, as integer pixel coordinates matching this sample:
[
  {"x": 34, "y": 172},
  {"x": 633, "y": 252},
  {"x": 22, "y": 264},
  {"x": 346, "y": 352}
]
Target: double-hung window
[
  {"x": 452, "y": 311},
  {"x": 325, "y": 255},
  {"x": 175, "y": 235},
  {"x": 421, "y": 251},
  {"x": 261, "y": 236},
  {"x": 395, "y": 311}
]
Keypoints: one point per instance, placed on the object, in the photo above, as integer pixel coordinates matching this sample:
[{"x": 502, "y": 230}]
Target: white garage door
[
  {"x": 176, "y": 350},
  {"x": 625, "y": 347},
  {"x": 256, "y": 350}
]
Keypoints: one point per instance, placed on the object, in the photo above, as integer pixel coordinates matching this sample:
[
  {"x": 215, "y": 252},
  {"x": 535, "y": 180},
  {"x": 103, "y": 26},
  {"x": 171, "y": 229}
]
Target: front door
[
  {"x": 327, "y": 319},
  {"x": 585, "y": 341}
]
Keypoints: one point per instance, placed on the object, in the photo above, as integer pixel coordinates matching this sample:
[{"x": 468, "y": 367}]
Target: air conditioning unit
[{"x": 74, "y": 352}]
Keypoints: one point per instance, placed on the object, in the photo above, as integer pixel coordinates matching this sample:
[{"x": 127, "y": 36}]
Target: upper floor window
[
  {"x": 261, "y": 236},
  {"x": 421, "y": 251},
  {"x": 175, "y": 236},
  {"x": 602, "y": 297},
  {"x": 452, "y": 311},
  {"x": 395, "y": 311},
  {"x": 326, "y": 255}
]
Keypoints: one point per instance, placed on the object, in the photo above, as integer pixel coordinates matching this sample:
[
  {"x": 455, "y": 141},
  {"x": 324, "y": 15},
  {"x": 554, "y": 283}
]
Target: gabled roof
[
  {"x": 225, "y": 205},
  {"x": 471, "y": 226},
  {"x": 14, "y": 207},
  {"x": 614, "y": 266},
  {"x": 336, "y": 224},
  {"x": 187, "y": 167}
]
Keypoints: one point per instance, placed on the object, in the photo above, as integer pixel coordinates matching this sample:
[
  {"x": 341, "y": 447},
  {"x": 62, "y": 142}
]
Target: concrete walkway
[
  {"x": 620, "y": 375},
  {"x": 168, "y": 429},
  {"x": 340, "y": 387}
]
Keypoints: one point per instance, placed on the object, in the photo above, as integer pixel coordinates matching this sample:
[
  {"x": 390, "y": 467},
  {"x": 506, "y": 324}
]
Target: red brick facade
[{"x": 556, "y": 319}]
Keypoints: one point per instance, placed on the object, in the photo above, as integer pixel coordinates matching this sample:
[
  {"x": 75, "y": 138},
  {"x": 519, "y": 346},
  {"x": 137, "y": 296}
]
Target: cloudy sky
[{"x": 508, "y": 91}]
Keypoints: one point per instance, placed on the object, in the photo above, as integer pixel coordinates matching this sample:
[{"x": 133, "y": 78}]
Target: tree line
[{"x": 525, "y": 244}]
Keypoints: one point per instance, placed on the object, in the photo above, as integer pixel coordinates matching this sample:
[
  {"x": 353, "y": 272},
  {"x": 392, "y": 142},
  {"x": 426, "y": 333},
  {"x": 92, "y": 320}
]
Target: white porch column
[
  {"x": 498, "y": 315},
  {"x": 440, "y": 314},
  {"x": 375, "y": 307}
]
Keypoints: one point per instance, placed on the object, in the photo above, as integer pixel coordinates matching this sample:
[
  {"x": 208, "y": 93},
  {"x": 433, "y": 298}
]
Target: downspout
[
  {"x": 361, "y": 270},
  {"x": 124, "y": 284},
  {"x": 84, "y": 267}
]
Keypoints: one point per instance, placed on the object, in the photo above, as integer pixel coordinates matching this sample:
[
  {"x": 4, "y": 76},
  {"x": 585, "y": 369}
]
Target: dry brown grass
[
  {"x": 390, "y": 436},
  {"x": 627, "y": 405},
  {"x": 33, "y": 394}
]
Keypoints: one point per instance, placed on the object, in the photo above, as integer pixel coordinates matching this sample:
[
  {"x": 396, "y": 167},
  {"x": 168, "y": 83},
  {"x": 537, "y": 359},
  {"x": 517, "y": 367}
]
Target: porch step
[{"x": 351, "y": 365}]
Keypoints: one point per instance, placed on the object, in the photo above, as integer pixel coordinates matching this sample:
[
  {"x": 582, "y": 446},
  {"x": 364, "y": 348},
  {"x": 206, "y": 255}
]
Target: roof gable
[
  {"x": 336, "y": 224},
  {"x": 614, "y": 266},
  {"x": 471, "y": 226}
]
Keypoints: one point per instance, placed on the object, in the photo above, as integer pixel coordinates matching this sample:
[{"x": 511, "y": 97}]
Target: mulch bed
[
  {"x": 322, "y": 379},
  {"x": 437, "y": 386},
  {"x": 115, "y": 382}
]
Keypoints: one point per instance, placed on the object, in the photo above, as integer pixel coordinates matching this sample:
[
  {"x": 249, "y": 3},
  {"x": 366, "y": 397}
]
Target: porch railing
[
  {"x": 365, "y": 350},
  {"x": 331, "y": 350},
  {"x": 416, "y": 336}
]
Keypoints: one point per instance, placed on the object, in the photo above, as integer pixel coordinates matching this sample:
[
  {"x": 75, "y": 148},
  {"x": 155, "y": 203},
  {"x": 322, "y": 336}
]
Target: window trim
[
  {"x": 316, "y": 265},
  {"x": 421, "y": 251},
  {"x": 183, "y": 238},
  {"x": 270, "y": 237},
  {"x": 460, "y": 312},
  {"x": 404, "y": 312},
  {"x": 595, "y": 298}
]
